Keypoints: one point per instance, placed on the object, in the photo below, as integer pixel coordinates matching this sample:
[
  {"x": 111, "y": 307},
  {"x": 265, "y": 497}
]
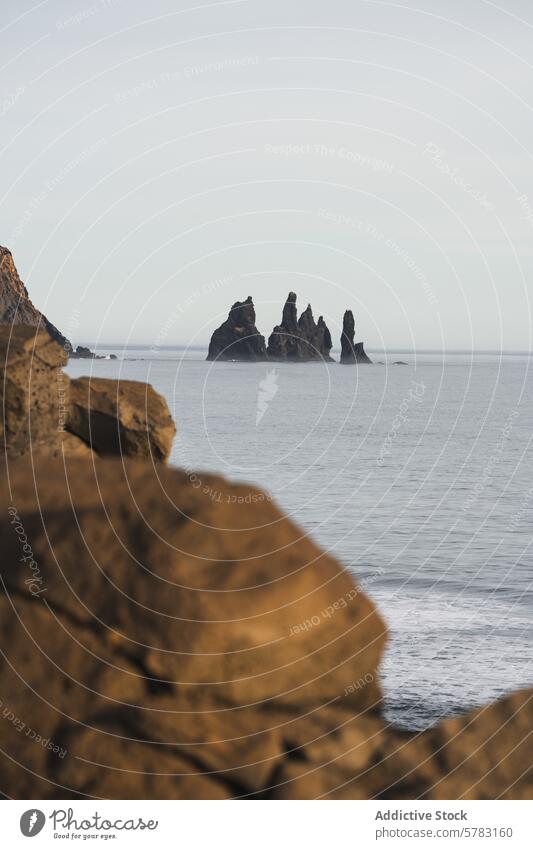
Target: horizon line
[{"x": 181, "y": 346}]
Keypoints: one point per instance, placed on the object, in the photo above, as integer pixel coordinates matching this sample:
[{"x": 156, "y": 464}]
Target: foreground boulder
[
  {"x": 120, "y": 418},
  {"x": 166, "y": 616},
  {"x": 351, "y": 352},
  {"x": 299, "y": 340},
  {"x": 238, "y": 338},
  {"x": 171, "y": 635},
  {"x": 44, "y": 412}
]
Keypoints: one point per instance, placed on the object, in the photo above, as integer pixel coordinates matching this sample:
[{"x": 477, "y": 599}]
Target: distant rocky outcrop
[
  {"x": 82, "y": 353},
  {"x": 352, "y": 352},
  {"x": 238, "y": 338},
  {"x": 17, "y": 308},
  {"x": 299, "y": 340},
  {"x": 44, "y": 412},
  {"x": 294, "y": 340}
]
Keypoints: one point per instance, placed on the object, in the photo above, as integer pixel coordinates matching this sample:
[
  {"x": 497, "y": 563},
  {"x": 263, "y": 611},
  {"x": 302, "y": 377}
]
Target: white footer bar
[{"x": 268, "y": 825}]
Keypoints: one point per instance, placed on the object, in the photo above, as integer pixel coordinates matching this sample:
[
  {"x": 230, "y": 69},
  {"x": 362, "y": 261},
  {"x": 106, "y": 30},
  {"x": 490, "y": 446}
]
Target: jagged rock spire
[{"x": 238, "y": 338}]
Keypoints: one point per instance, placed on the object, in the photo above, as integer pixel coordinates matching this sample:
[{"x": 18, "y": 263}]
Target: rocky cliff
[
  {"x": 44, "y": 412},
  {"x": 299, "y": 340},
  {"x": 238, "y": 338},
  {"x": 173, "y": 635},
  {"x": 351, "y": 352},
  {"x": 15, "y": 304},
  {"x": 17, "y": 308}
]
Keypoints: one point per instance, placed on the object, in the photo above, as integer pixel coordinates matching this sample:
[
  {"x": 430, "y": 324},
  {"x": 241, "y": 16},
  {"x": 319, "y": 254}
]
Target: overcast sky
[{"x": 159, "y": 164}]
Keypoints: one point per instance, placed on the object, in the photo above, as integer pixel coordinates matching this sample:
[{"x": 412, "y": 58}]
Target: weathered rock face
[
  {"x": 360, "y": 354},
  {"x": 286, "y": 342},
  {"x": 351, "y": 352},
  {"x": 238, "y": 338},
  {"x": 45, "y": 412},
  {"x": 317, "y": 336},
  {"x": 347, "y": 339},
  {"x": 33, "y": 391},
  {"x": 16, "y": 307},
  {"x": 173, "y": 640},
  {"x": 120, "y": 418},
  {"x": 15, "y": 304},
  {"x": 299, "y": 339}
]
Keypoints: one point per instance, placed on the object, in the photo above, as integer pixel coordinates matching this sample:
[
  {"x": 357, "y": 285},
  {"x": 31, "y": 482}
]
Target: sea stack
[
  {"x": 299, "y": 340},
  {"x": 352, "y": 352},
  {"x": 285, "y": 341},
  {"x": 238, "y": 338},
  {"x": 318, "y": 337}
]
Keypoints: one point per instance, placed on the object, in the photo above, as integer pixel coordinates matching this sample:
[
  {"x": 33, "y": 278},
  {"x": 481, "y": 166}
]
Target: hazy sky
[{"x": 160, "y": 163}]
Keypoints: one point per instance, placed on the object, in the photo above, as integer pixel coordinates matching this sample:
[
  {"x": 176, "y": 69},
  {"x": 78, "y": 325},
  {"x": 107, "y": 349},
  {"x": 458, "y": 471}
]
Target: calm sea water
[{"x": 417, "y": 477}]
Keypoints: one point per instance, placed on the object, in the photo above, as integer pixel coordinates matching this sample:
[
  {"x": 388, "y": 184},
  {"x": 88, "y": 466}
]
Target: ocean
[{"x": 416, "y": 477}]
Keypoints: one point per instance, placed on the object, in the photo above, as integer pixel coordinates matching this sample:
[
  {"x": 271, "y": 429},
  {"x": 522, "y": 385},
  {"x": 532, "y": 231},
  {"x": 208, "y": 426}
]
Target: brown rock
[
  {"x": 34, "y": 390},
  {"x": 46, "y": 413},
  {"x": 168, "y": 619},
  {"x": 16, "y": 306},
  {"x": 175, "y": 636},
  {"x": 120, "y": 418}
]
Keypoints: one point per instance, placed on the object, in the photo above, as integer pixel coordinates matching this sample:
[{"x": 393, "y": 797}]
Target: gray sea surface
[{"x": 417, "y": 477}]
